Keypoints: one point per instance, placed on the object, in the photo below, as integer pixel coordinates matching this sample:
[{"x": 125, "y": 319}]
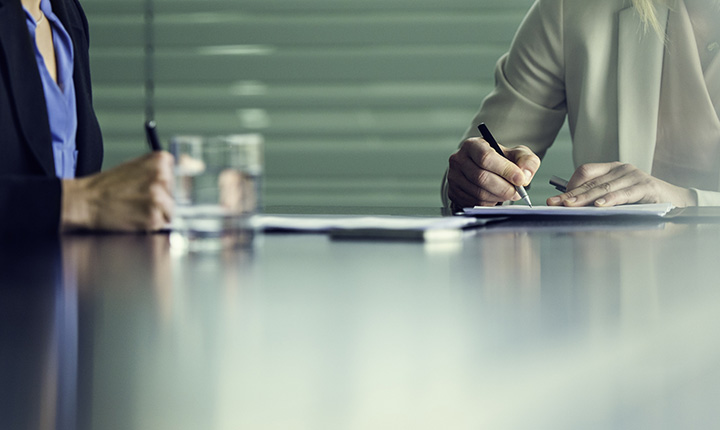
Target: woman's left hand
[{"x": 612, "y": 184}]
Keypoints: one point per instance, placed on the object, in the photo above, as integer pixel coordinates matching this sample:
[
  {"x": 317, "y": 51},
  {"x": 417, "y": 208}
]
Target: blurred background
[{"x": 360, "y": 102}]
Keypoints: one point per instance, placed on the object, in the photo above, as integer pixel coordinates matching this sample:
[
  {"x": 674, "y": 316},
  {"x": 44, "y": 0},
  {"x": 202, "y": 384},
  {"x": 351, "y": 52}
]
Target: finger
[
  {"x": 526, "y": 160},
  {"x": 639, "y": 188},
  {"x": 474, "y": 180},
  {"x": 168, "y": 208},
  {"x": 592, "y": 181},
  {"x": 461, "y": 199},
  {"x": 161, "y": 201},
  {"x": 632, "y": 194},
  {"x": 491, "y": 185},
  {"x": 483, "y": 186},
  {"x": 160, "y": 166},
  {"x": 587, "y": 174},
  {"x": 620, "y": 177},
  {"x": 486, "y": 158},
  {"x": 554, "y": 200},
  {"x": 157, "y": 221},
  {"x": 479, "y": 189}
]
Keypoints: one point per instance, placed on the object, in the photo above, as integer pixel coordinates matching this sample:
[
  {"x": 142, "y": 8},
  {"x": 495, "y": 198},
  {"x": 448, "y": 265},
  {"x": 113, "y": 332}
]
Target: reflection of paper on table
[
  {"x": 373, "y": 228},
  {"x": 321, "y": 223},
  {"x": 656, "y": 209}
]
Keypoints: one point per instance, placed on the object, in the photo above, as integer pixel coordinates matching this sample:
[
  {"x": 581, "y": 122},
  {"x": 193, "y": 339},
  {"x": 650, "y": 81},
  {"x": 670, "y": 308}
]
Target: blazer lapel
[
  {"x": 26, "y": 90},
  {"x": 59, "y": 8},
  {"x": 640, "y": 58}
]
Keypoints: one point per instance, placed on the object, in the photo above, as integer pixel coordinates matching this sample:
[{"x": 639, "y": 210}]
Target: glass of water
[{"x": 217, "y": 190}]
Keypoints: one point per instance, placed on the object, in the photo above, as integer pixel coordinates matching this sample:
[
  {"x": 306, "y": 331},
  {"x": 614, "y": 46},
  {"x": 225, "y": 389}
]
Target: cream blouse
[{"x": 687, "y": 153}]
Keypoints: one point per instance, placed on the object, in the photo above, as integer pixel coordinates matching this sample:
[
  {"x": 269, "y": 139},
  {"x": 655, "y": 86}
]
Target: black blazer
[{"x": 30, "y": 193}]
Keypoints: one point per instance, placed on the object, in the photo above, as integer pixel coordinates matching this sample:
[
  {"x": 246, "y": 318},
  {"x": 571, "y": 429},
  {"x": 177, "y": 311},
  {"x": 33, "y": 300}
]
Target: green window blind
[{"x": 360, "y": 102}]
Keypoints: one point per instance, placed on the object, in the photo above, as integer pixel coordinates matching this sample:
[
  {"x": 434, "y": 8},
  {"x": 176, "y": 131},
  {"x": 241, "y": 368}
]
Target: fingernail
[
  {"x": 516, "y": 197},
  {"x": 599, "y": 202},
  {"x": 554, "y": 200},
  {"x": 528, "y": 176}
]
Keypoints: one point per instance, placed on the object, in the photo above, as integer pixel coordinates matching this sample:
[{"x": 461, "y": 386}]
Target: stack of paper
[{"x": 656, "y": 210}]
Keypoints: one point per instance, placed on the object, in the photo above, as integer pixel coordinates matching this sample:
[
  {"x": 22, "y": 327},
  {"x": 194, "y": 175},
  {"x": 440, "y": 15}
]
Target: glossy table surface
[{"x": 542, "y": 325}]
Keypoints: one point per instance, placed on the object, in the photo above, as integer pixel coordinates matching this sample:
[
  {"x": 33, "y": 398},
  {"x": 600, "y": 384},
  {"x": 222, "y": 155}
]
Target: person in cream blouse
[{"x": 641, "y": 95}]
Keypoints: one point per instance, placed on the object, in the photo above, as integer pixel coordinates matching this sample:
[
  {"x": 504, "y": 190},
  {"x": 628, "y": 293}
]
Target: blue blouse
[{"x": 60, "y": 96}]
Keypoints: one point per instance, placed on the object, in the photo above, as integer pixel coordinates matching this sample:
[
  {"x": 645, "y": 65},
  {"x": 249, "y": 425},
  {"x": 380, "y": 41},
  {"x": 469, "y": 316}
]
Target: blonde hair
[{"x": 646, "y": 10}]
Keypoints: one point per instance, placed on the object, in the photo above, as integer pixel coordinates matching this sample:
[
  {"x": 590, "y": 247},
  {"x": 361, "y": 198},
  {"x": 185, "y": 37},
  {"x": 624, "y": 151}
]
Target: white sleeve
[
  {"x": 528, "y": 105},
  {"x": 707, "y": 198}
]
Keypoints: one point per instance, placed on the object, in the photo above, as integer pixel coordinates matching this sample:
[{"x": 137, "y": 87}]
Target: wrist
[
  {"x": 687, "y": 197},
  {"x": 75, "y": 210}
]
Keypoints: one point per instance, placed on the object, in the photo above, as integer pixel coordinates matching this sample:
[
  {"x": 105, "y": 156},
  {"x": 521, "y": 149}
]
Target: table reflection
[
  {"x": 39, "y": 338},
  {"x": 514, "y": 327}
]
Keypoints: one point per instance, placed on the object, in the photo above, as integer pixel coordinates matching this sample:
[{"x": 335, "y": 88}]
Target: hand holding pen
[
  {"x": 485, "y": 133},
  {"x": 478, "y": 175},
  {"x": 133, "y": 196}
]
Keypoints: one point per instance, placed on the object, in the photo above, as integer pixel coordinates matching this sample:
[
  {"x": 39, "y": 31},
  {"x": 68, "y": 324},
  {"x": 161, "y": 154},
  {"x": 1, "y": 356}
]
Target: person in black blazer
[{"x": 131, "y": 197}]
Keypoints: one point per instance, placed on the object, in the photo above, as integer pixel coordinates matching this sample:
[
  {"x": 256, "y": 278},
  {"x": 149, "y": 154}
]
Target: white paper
[
  {"x": 656, "y": 209},
  {"x": 329, "y": 222}
]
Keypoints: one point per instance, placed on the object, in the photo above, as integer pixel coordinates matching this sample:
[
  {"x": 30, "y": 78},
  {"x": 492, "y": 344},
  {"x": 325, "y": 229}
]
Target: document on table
[
  {"x": 648, "y": 210},
  {"x": 322, "y": 223}
]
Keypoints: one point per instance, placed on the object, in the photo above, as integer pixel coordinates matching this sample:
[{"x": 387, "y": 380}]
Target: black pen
[
  {"x": 485, "y": 133},
  {"x": 151, "y": 135}
]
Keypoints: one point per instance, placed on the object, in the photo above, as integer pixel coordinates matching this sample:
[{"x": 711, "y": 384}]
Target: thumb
[{"x": 526, "y": 160}]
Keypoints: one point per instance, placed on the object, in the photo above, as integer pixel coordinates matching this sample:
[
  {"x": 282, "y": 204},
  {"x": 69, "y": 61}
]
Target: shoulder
[
  {"x": 581, "y": 11},
  {"x": 573, "y": 22},
  {"x": 590, "y": 11}
]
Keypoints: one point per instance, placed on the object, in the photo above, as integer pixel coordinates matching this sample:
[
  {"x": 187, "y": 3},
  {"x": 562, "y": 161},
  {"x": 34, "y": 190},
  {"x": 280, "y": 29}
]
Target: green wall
[{"x": 360, "y": 102}]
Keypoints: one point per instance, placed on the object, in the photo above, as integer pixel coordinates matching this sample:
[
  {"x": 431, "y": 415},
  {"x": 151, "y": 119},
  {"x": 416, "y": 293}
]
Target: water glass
[{"x": 217, "y": 190}]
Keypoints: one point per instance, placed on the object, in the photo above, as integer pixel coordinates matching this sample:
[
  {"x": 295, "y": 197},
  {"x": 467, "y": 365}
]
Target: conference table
[{"x": 521, "y": 324}]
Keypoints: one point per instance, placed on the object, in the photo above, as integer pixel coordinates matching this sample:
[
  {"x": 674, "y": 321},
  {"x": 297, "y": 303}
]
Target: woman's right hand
[
  {"x": 135, "y": 196},
  {"x": 479, "y": 176}
]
